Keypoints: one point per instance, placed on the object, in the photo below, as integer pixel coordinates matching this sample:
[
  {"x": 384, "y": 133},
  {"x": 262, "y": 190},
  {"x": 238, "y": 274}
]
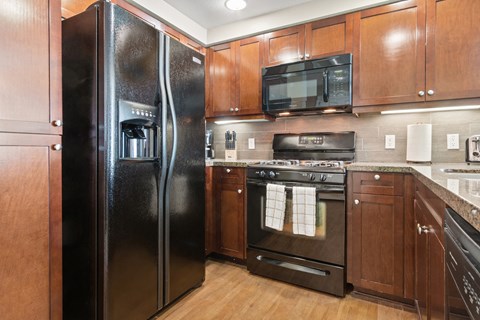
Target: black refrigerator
[{"x": 133, "y": 166}]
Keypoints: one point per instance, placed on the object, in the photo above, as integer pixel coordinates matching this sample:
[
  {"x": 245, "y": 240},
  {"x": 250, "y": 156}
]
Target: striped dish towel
[
  {"x": 275, "y": 206},
  {"x": 303, "y": 213}
]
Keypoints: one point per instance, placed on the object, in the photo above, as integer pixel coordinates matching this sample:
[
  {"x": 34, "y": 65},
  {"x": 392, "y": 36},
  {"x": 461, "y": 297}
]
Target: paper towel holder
[{"x": 419, "y": 143}]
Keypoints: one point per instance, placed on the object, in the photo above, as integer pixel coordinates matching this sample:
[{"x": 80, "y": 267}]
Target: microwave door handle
[{"x": 325, "y": 86}]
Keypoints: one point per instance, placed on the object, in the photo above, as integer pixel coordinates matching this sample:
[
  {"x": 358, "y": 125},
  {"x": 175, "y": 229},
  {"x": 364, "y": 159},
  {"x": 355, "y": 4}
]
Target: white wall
[
  {"x": 175, "y": 18},
  {"x": 304, "y": 12}
]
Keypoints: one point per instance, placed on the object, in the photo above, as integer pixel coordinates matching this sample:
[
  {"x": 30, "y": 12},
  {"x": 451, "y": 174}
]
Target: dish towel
[
  {"x": 303, "y": 213},
  {"x": 275, "y": 206}
]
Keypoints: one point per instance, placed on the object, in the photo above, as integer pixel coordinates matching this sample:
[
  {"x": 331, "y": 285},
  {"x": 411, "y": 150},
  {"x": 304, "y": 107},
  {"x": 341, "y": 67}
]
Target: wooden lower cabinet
[
  {"x": 227, "y": 226},
  {"x": 30, "y": 227},
  {"x": 429, "y": 254},
  {"x": 379, "y": 249}
]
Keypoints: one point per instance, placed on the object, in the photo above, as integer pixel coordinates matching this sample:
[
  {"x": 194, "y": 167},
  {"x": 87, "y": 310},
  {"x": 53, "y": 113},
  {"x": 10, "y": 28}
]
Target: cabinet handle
[
  {"x": 422, "y": 229},
  {"x": 231, "y": 109},
  {"x": 57, "y": 123},
  {"x": 421, "y": 93},
  {"x": 430, "y": 92},
  {"x": 301, "y": 57},
  {"x": 236, "y": 109},
  {"x": 356, "y": 201},
  {"x": 239, "y": 191},
  {"x": 57, "y": 147},
  {"x": 376, "y": 177},
  {"x": 228, "y": 170},
  {"x": 307, "y": 55}
]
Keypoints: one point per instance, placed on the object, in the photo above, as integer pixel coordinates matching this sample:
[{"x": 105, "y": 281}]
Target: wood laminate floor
[{"x": 231, "y": 292}]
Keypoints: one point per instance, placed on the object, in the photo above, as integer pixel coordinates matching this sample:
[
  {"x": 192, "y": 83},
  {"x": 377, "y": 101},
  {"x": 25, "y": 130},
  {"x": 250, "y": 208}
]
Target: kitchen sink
[{"x": 473, "y": 172}]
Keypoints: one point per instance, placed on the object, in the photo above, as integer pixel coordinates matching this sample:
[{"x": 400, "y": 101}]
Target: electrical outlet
[
  {"x": 251, "y": 143},
  {"x": 453, "y": 141},
  {"x": 389, "y": 141}
]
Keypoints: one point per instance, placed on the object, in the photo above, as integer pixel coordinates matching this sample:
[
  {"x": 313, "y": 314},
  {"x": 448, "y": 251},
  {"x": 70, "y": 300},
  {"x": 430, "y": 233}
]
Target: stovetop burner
[{"x": 302, "y": 163}]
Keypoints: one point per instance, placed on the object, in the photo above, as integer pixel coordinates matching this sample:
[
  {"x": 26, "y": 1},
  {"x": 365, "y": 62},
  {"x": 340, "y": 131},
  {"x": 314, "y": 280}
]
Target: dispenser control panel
[{"x": 129, "y": 110}]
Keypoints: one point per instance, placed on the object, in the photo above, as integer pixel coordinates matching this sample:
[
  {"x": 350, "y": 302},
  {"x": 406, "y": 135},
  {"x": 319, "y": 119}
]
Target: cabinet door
[
  {"x": 222, "y": 81},
  {"x": 453, "y": 54},
  {"x": 421, "y": 261},
  {"x": 389, "y": 54},
  {"x": 249, "y": 62},
  {"x": 378, "y": 243},
  {"x": 31, "y": 66},
  {"x": 30, "y": 227},
  {"x": 231, "y": 227},
  {"x": 285, "y": 45},
  {"x": 329, "y": 37},
  {"x": 436, "y": 287}
]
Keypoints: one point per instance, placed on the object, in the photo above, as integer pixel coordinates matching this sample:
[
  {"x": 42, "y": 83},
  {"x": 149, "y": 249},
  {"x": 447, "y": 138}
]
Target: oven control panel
[{"x": 305, "y": 140}]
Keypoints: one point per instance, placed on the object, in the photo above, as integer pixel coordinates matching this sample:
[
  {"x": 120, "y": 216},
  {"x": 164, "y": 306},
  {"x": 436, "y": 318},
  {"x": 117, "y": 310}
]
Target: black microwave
[{"x": 308, "y": 87}]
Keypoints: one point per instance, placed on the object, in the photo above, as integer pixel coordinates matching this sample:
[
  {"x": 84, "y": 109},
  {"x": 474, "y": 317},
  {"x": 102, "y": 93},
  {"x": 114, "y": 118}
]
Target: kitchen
[{"x": 406, "y": 269}]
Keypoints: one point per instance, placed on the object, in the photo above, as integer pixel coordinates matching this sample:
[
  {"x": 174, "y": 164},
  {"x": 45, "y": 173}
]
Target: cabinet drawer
[
  {"x": 231, "y": 175},
  {"x": 378, "y": 183}
]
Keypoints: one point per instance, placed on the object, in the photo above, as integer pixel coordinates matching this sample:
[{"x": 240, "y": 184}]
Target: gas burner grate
[{"x": 280, "y": 162}]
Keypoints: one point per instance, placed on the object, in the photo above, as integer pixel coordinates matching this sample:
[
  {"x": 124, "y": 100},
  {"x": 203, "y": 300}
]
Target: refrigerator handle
[
  {"x": 163, "y": 175},
  {"x": 171, "y": 165}
]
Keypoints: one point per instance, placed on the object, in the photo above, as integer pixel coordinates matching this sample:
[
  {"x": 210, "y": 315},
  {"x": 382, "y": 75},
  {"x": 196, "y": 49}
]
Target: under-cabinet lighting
[
  {"x": 329, "y": 110},
  {"x": 282, "y": 114},
  {"x": 459, "y": 108},
  {"x": 235, "y": 5},
  {"x": 239, "y": 121}
]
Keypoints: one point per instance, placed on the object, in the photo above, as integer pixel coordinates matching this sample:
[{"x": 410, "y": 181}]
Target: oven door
[{"x": 328, "y": 244}]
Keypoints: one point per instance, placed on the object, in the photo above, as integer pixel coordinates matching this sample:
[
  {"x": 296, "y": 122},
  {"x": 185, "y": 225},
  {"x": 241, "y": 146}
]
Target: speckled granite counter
[
  {"x": 229, "y": 163},
  {"x": 460, "y": 190}
]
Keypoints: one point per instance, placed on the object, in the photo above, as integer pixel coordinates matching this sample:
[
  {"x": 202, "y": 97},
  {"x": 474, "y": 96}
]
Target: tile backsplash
[{"x": 370, "y": 128}]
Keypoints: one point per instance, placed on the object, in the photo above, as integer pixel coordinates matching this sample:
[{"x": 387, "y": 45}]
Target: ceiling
[{"x": 213, "y": 13}]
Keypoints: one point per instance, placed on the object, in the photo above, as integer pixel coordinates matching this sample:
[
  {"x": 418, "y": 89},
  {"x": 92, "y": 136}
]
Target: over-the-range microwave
[{"x": 308, "y": 87}]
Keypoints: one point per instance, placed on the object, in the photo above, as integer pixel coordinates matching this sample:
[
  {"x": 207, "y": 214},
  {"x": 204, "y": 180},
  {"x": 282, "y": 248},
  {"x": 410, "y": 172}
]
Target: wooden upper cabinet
[
  {"x": 235, "y": 79},
  {"x": 249, "y": 62},
  {"x": 285, "y": 45},
  {"x": 222, "y": 80},
  {"x": 389, "y": 54},
  {"x": 329, "y": 37},
  {"x": 31, "y": 93},
  {"x": 453, "y": 49}
]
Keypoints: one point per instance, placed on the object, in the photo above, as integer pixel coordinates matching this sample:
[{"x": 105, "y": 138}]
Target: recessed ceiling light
[{"x": 235, "y": 4}]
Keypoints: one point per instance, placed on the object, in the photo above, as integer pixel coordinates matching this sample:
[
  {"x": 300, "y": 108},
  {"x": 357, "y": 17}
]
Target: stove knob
[
  {"x": 271, "y": 174},
  {"x": 323, "y": 177},
  {"x": 311, "y": 176},
  {"x": 262, "y": 174}
]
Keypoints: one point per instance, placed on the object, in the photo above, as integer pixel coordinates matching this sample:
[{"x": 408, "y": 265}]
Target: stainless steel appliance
[
  {"x": 317, "y": 261},
  {"x": 209, "y": 151},
  {"x": 462, "y": 257},
  {"x": 473, "y": 149},
  {"x": 308, "y": 87},
  {"x": 133, "y": 166}
]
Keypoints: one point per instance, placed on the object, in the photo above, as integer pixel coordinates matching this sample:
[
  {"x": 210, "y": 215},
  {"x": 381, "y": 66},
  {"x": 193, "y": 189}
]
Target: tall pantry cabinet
[{"x": 30, "y": 160}]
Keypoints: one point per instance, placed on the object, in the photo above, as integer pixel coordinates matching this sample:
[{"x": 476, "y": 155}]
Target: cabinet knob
[
  {"x": 231, "y": 109},
  {"x": 228, "y": 170},
  {"x": 301, "y": 57},
  {"x": 356, "y": 201},
  {"x": 422, "y": 229},
  {"x": 421, "y": 93},
  {"x": 430, "y": 92},
  {"x": 307, "y": 55},
  {"x": 236, "y": 109},
  {"x": 239, "y": 191},
  {"x": 376, "y": 177},
  {"x": 57, "y": 147},
  {"x": 57, "y": 123}
]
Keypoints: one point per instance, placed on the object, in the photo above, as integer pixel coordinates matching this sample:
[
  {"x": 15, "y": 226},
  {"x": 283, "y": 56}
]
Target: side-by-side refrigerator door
[
  {"x": 185, "y": 194},
  {"x": 132, "y": 119}
]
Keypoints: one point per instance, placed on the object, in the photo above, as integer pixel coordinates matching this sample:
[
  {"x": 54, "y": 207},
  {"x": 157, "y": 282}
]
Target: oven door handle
[{"x": 336, "y": 193}]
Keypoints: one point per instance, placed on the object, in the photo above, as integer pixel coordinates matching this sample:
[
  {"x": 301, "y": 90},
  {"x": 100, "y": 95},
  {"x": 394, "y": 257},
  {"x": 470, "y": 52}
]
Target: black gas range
[{"x": 312, "y": 162}]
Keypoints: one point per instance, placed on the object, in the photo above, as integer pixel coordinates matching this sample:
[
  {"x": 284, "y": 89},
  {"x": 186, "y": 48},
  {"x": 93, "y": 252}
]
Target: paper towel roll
[{"x": 419, "y": 142}]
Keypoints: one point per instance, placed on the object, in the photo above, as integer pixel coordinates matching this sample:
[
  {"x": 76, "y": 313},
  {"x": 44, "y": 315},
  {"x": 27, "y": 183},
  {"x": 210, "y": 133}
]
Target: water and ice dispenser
[{"x": 139, "y": 134}]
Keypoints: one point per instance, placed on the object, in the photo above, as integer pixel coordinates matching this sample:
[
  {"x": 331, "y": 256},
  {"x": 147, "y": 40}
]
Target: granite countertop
[{"x": 459, "y": 189}]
